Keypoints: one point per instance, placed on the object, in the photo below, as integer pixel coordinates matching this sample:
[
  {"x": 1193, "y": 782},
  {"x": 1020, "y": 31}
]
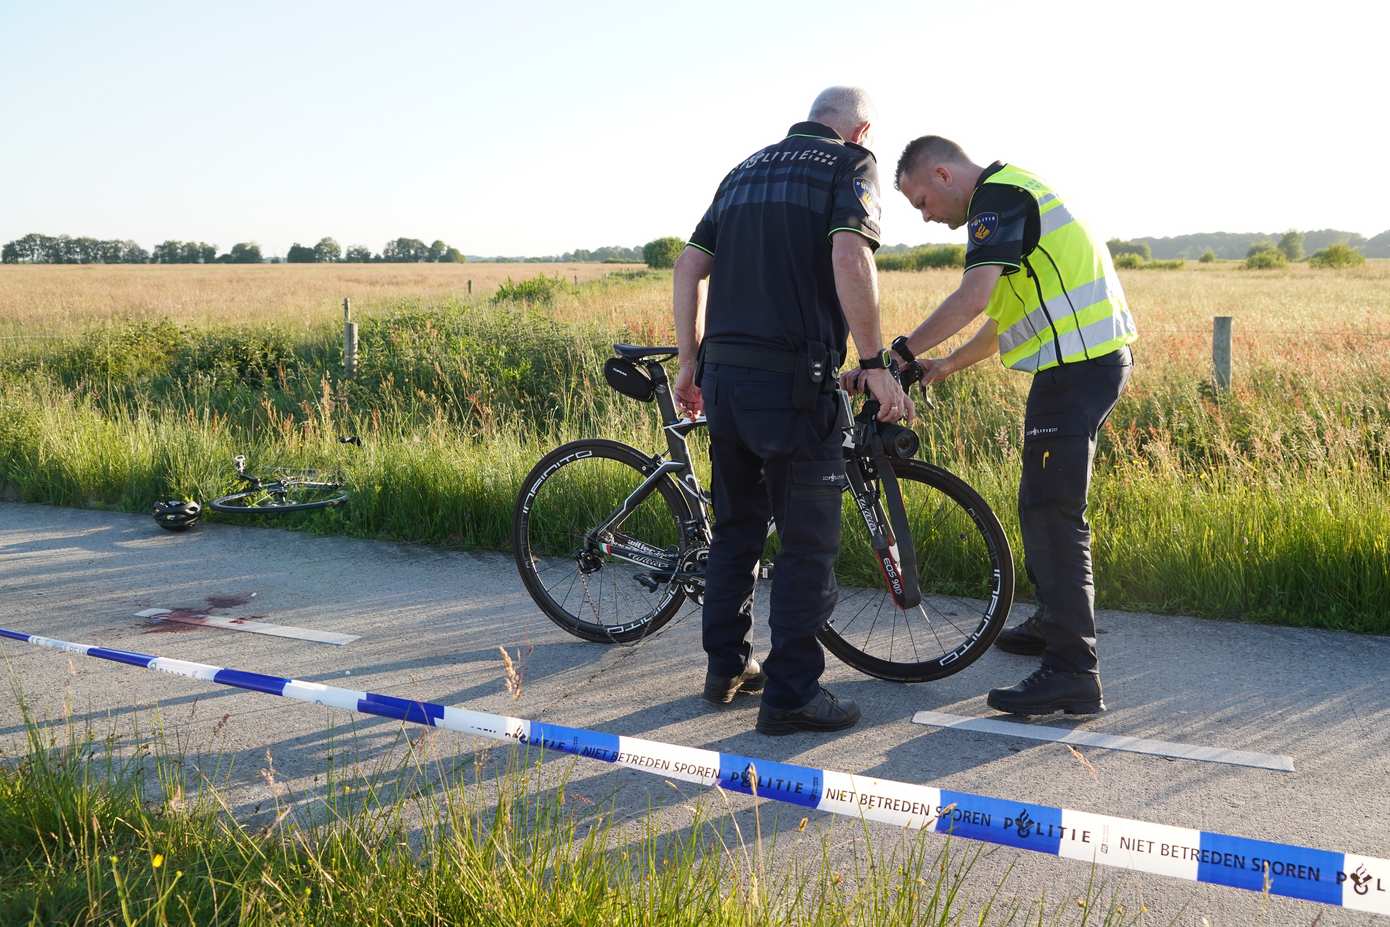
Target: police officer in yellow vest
[{"x": 1054, "y": 309}]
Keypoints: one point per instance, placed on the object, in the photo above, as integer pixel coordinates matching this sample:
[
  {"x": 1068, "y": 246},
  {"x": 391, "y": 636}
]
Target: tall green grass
[
  {"x": 1269, "y": 503},
  {"x": 93, "y": 836}
]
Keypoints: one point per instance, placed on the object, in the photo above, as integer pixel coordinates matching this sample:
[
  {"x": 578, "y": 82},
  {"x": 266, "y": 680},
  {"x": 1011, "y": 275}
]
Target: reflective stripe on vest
[{"x": 1081, "y": 311}]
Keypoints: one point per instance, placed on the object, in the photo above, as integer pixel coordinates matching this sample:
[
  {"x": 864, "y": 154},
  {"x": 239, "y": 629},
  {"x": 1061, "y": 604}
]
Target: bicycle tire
[
  {"x": 253, "y": 501},
  {"x": 959, "y": 510},
  {"x": 532, "y": 545}
]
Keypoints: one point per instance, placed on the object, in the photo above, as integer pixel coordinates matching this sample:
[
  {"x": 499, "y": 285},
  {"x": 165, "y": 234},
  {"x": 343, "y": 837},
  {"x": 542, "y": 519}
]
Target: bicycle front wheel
[
  {"x": 610, "y": 585},
  {"x": 965, "y": 571},
  {"x": 307, "y": 492}
]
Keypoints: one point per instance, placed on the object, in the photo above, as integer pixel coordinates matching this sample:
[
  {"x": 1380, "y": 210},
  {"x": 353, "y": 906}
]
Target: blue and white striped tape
[{"x": 1344, "y": 879}]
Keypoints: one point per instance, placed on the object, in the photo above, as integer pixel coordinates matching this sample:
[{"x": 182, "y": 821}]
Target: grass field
[
  {"x": 1267, "y": 503},
  {"x": 55, "y": 299},
  {"x": 91, "y": 835}
]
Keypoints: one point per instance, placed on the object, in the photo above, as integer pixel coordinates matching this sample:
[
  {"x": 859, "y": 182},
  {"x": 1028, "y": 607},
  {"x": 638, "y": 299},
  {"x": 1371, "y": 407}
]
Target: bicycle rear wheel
[
  {"x": 590, "y": 582},
  {"x": 304, "y": 491},
  {"x": 965, "y": 570}
]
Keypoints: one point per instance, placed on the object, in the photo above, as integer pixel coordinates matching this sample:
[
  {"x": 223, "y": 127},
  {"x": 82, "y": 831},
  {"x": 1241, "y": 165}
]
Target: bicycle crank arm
[{"x": 656, "y": 579}]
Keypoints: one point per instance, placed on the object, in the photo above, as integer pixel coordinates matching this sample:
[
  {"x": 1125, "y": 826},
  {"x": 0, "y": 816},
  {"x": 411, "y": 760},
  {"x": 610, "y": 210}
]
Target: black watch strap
[
  {"x": 880, "y": 361},
  {"x": 901, "y": 349}
]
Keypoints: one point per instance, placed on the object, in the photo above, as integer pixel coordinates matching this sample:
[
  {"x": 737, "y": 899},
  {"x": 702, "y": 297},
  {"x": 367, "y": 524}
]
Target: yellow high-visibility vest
[{"x": 1067, "y": 304}]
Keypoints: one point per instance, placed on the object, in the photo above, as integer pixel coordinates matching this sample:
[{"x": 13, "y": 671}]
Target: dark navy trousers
[
  {"x": 1067, "y": 406},
  {"x": 771, "y": 460}
]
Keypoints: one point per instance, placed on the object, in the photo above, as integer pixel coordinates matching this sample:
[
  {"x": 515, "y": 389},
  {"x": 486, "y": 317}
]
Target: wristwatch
[
  {"x": 901, "y": 349},
  {"x": 880, "y": 361}
]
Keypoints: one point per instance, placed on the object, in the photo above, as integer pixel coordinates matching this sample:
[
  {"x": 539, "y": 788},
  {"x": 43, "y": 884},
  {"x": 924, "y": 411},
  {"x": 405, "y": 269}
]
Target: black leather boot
[
  {"x": 721, "y": 691},
  {"x": 825, "y": 712},
  {"x": 1026, "y": 638},
  {"x": 1049, "y": 690}
]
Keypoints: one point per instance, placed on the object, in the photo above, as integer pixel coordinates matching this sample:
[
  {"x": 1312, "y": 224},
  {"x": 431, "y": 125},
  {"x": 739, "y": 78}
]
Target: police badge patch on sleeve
[
  {"x": 868, "y": 196},
  {"x": 982, "y": 226}
]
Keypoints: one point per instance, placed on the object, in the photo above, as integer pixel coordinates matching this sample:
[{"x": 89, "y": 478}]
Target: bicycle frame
[
  {"x": 695, "y": 527},
  {"x": 277, "y": 486},
  {"x": 861, "y": 451}
]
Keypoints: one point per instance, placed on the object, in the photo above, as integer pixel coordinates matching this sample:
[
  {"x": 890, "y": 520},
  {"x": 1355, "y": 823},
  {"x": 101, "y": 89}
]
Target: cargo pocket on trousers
[
  {"x": 1056, "y": 462},
  {"x": 815, "y": 478}
]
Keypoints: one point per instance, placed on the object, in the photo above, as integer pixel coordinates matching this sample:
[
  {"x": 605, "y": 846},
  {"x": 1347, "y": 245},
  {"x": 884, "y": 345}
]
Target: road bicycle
[
  {"x": 611, "y": 541},
  {"x": 284, "y": 491}
]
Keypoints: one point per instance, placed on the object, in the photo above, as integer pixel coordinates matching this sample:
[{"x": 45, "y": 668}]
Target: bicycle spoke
[
  {"x": 946, "y": 619},
  {"x": 569, "y": 589},
  {"x": 553, "y": 565},
  {"x": 878, "y": 612},
  {"x": 931, "y": 628},
  {"x": 893, "y": 634},
  {"x": 907, "y": 624},
  {"x": 860, "y": 612}
]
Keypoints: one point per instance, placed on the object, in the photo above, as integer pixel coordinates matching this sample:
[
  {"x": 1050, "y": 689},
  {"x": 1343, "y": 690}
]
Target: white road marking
[
  {"x": 1063, "y": 735},
  {"x": 244, "y": 624}
]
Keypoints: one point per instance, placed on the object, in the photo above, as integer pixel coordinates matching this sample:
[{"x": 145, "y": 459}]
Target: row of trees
[
  {"x": 1262, "y": 253},
  {"x": 397, "y": 251},
  {"x": 1235, "y": 246},
  {"x": 1268, "y": 254},
  {"x": 63, "y": 249},
  {"x": 44, "y": 249}
]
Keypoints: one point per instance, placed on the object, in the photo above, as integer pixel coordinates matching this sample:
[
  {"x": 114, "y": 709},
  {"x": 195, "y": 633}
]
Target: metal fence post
[
  {"x": 349, "y": 341},
  {"x": 1221, "y": 351}
]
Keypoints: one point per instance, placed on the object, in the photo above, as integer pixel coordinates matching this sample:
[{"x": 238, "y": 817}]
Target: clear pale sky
[{"x": 540, "y": 127}]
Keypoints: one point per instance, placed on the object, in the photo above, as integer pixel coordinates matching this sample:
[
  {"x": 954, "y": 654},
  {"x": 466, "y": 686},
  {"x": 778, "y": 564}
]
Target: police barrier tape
[{"x": 1344, "y": 879}]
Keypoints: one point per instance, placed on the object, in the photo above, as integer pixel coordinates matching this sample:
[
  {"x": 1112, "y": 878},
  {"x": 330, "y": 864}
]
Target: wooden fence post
[
  {"x": 349, "y": 341},
  {"x": 1221, "y": 351}
]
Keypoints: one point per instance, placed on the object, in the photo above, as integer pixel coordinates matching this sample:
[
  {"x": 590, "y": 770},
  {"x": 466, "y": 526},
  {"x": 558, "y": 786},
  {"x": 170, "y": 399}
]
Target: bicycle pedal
[{"x": 647, "y": 582}]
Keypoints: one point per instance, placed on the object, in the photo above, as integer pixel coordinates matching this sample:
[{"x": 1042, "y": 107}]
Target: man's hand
[
  {"x": 688, "y": 396},
  {"x": 934, "y": 371},
  {"x": 852, "y": 381},
  {"x": 893, "y": 403}
]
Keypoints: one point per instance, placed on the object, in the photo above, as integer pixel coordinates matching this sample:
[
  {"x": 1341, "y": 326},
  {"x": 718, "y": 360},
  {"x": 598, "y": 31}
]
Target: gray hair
[{"x": 842, "y": 108}]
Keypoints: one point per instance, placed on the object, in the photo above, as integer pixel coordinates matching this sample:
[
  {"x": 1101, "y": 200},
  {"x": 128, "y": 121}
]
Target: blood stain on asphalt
[{"x": 180, "y": 619}]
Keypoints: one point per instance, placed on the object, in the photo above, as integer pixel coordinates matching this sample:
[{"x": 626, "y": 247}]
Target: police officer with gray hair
[{"x": 778, "y": 273}]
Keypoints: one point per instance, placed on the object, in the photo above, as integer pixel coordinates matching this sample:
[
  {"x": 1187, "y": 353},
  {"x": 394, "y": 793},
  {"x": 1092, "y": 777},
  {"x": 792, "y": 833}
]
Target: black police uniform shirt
[
  {"x": 1003, "y": 225},
  {"x": 769, "y": 229}
]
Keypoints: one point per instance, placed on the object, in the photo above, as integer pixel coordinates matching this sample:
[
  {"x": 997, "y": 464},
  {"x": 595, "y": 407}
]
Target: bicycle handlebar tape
[{"x": 1343, "y": 879}]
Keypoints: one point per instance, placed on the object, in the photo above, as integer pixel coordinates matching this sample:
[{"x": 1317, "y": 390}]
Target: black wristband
[
  {"x": 880, "y": 361},
  {"x": 901, "y": 349}
]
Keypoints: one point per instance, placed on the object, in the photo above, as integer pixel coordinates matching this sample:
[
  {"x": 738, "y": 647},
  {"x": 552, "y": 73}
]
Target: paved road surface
[{"x": 431, "y": 621}]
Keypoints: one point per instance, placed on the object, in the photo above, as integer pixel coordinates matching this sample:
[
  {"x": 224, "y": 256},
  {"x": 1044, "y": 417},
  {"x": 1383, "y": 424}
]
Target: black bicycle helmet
[{"x": 177, "y": 514}]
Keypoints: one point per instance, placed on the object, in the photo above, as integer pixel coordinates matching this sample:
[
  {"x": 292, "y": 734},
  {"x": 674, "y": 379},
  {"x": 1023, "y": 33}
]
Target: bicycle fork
[{"x": 897, "y": 562}]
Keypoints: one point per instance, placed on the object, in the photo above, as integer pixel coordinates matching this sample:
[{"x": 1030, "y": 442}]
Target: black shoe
[
  {"x": 720, "y": 690},
  {"x": 1026, "y": 638},
  {"x": 823, "y": 713},
  {"x": 1049, "y": 690}
]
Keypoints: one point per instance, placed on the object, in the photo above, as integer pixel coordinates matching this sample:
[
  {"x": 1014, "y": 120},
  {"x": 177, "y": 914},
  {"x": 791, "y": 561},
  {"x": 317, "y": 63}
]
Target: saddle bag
[{"x": 629, "y": 379}]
